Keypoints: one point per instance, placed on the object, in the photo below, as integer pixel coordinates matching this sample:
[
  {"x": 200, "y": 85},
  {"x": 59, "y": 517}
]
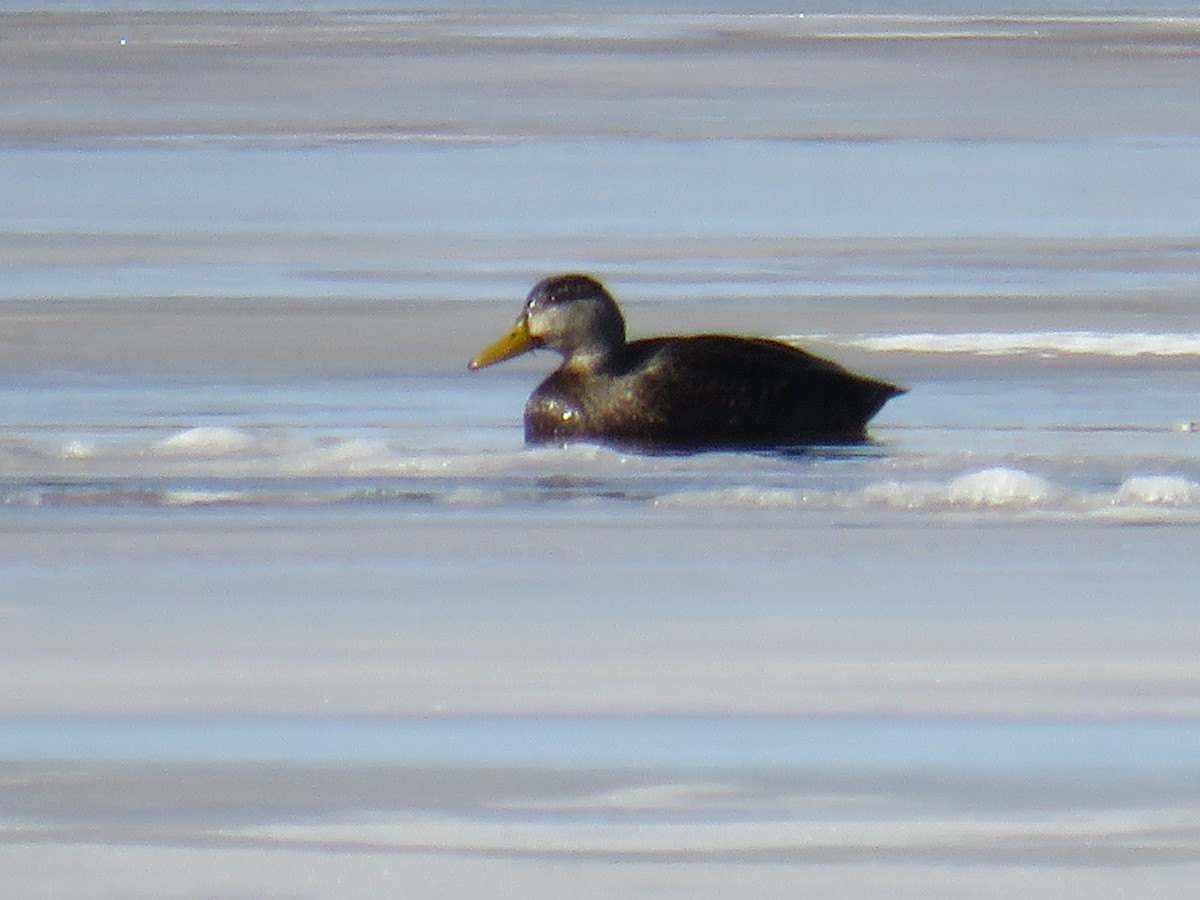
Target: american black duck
[{"x": 705, "y": 392}]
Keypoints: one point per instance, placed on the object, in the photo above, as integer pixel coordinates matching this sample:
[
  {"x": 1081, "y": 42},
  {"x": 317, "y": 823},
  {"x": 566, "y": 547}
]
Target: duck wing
[{"x": 717, "y": 390}]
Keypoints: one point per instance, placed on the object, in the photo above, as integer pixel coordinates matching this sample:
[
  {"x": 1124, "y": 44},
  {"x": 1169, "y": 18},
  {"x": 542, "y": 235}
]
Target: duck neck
[
  {"x": 594, "y": 346},
  {"x": 587, "y": 359}
]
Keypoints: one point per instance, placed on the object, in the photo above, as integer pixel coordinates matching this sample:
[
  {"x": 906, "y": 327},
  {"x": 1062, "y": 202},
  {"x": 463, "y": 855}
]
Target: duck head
[{"x": 572, "y": 315}]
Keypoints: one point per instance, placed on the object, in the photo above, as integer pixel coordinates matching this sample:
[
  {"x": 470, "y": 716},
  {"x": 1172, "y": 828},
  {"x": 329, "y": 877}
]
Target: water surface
[{"x": 289, "y": 608}]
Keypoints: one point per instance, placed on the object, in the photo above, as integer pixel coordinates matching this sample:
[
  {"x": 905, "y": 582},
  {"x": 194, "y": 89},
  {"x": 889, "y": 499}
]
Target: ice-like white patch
[
  {"x": 200, "y": 498},
  {"x": 905, "y": 495},
  {"x": 1045, "y": 343},
  {"x": 742, "y": 497},
  {"x": 733, "y": 834},
  {"x": 1159, "y": 490},
  {"x": 998, "y": 486},
  {"x": 79, "y": 450},
  {"x": 989, "y": 488},
  {"x": 472, "y": 496},
  {"x": 206, "y": 440},
  {"x": 356, "y": 450},
  {"x": 994, "y": 487},
  {"x": 677, "y": 796},
  {"x": 360, "y": 456}
]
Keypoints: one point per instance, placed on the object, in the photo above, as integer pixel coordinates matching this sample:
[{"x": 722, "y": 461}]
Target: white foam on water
[
  {"x": 79, "y": 449},
  {"x": 351, "y": 456},
  {"x": 355, "y": 450},
  {"x": 282, "y": 466},
  {"x": 988, "y": 488},
  {"x": 738, "y": 834},
  {"x": 1140, "y": 498},
  {"x": 741, "y": 497},
  {"x": 274, "y": 465},
  {"x": 998, "y": 487},
  {"x": 904, "y": 495},
  {"x": 205, "y": 441},
  {"x": 1160, "y": 490},
  {"x": 474, "y": 497},
  {"x": 1047, "y": 343},
  {"x": 201, "y": 498}
]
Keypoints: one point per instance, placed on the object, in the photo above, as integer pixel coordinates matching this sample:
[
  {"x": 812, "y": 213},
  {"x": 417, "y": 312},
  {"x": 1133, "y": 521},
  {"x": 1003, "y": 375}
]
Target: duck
[{"x": 675, "y": 394}]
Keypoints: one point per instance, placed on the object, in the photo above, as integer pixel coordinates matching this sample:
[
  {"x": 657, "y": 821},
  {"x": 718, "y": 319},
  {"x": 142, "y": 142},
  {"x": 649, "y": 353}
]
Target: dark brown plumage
[{"x": 676, "y": 393}]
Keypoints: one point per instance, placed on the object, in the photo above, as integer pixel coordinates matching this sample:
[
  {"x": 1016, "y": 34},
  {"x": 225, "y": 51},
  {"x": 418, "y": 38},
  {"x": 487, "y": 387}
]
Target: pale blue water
[
  {"x": 256, "y": 512},
  {"x": 605, "y": 742},
  {"x": 820, "y": 7}
]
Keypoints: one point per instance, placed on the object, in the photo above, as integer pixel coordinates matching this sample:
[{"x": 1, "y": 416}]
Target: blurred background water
[{"x": 257, "y": 514}]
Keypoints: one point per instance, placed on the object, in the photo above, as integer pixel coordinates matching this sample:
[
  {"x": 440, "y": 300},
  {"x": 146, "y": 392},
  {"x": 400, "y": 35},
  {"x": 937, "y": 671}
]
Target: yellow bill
[{"x": 517, "y": 341}]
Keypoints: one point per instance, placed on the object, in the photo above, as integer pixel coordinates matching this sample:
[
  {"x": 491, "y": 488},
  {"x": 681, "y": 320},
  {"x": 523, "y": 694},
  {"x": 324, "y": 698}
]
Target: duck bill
[{"x": 517, "y": 341}]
